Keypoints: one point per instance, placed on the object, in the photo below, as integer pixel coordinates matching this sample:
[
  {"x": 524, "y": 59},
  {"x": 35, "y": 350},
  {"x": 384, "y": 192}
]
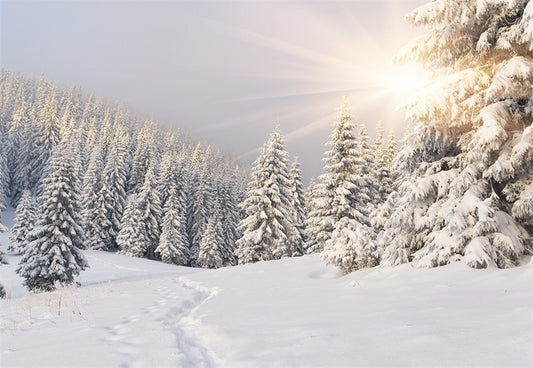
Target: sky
[{"x": 225, "y": 72}]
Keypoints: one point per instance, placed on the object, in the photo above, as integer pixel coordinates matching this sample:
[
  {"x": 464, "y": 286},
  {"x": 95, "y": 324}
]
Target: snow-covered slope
[{"x": 294, "y": 312}]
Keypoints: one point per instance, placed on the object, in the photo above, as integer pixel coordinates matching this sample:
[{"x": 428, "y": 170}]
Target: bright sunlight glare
[{"x": 404, "y": 80}]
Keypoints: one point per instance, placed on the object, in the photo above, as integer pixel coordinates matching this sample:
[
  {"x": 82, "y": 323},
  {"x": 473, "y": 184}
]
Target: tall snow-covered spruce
[
  {"x": 467, "y": 192},
  {"x": 25, "y": 219},
  {"x": 52, "y": 254},
  {"x": 334, "y": 196},
  {"x": 140, "y": 230},
  {"x": 268, "y": 229},
  {"x": 173, "y": 244}
]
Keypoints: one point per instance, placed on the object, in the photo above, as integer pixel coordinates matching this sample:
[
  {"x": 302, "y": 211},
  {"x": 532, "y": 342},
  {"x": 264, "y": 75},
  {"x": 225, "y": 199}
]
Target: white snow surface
[{"x": 295, "y": 312}]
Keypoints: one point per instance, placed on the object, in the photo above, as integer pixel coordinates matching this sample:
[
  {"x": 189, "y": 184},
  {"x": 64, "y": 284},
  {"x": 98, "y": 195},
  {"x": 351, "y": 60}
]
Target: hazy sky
[{"x": 224, "y": 71}]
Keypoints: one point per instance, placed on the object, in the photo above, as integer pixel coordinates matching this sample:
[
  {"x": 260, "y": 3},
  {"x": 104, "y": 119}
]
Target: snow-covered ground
[{"x": 291, "y": 313}]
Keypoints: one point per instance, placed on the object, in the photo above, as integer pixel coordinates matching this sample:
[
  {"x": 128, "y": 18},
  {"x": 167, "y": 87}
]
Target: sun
[{"x": 404, "y": 80}]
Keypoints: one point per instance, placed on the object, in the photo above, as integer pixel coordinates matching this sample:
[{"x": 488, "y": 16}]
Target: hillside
[{"x": 134, "y": 312}]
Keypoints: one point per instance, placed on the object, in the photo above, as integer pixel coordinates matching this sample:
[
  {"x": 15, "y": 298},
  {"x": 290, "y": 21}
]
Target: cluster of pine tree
[
  {"x": 283, "y": 221},
  {"x": 357, "y": 179},
  {"x": 83, "y": 173},
  {"x": 464, "y": 176}
]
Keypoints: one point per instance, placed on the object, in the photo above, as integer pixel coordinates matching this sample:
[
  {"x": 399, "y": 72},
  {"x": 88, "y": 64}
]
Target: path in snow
[{"x": 129, "y": 313}]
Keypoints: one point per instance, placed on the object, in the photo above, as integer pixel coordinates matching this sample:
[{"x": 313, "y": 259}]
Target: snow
[{"x": 293, "y": 312}]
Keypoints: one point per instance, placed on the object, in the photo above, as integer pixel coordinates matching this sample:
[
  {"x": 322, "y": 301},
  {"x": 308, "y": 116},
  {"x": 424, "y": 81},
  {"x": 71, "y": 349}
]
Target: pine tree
[
  {"x": 99, "y": 228},
  {"x": 22, "y": 133},
  {"x": 468, "y": 167},
  {"x": 140, "y": 230},
  {"x": 131, "y": 238},
  {"x": 52, "y": 254},
  {"x": 335, "y": 196},
  {"x": 25, "y": 220},
  {"x": 269, "y": 226},
  {"x": 45, "y": 139},
  {"x": 210, "y": 254},
  {"x": 3, "y": 184},
  {"x": 173, "y": 246},
  {"x": 383, "y": 176},
  {"x": 230, "y": 218},
  {"x": 297, "y": 206},
  {"x": 202, "y": 203},
  {"x": 311, "y": 192},
  {"x": 141, "y": 158},
  {"x": 92, "y": 183},
  {"x": 111, "y": 197},
  {"x": 366, "y": 169}
]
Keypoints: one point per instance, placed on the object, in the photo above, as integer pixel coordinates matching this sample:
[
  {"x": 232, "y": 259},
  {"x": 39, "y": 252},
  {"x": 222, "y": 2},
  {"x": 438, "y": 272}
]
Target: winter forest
[{"x": 87, "y": 178}]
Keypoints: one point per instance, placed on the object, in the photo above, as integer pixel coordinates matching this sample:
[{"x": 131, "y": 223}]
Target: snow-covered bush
[{"x": 351, "y": 246}]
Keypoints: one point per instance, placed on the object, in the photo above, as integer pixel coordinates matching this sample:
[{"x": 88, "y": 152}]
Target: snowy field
[{"x": 296, "y": 312}]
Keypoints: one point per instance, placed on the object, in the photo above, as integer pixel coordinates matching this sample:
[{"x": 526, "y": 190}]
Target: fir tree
[
  {"x": 140, "y": 231},
  {"x": 202, "y": 203},
  {"x": 383, "y": 176},
  {"x": 92, "y": 183},
  {"x": 52, "y": 254},
  {"x": 210, "y": 254},
  {"x": 45, "y": 139},
  {"x": 25, "y": 220},
  {"x": 141, "y": 158},
  {"x": 3, "y": 188},
  {"x": 335, "y": 195},
  {"x": 269, "y": 226},
  {"x": 131, "y": 238},
  {"x": 173, "y": 247},
  {"x": 229, "y": 218},
  {"x": 297, "y": 206},
  {"x": 366, "y": 170},
  {"x": 111, "y": 197},
  {"x": 468, "y": 166}
]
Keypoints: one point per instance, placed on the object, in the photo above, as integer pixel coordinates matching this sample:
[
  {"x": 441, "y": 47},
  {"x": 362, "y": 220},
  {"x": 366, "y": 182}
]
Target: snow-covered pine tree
[
  {"x": 391, "y": 153},
  {"x": 4, "y": 179},
  {"x": 142, "y": 157},
  {"x": 25, "y": 220},
  {"x": 4, "y": 170},
  {"x": 173, "y": 245},
  {"x": 230, "y": 218},
  {"x": 140, "y": 229},
  {"x": 113, "y": 191},
  {"x": 201, "y": 206},
  {"x": 131, "y": 238},
  {"x": 98, "y": 226},
  {"x": 366, "y": 169},
  {"x": 212, "y": 243},
  {"x": 383, "y": 176},
  {"x": 297, "y": 206},
  {"x": 335, "y": 195},
  {"x": 168, "y": 177},
  {"x": 21, "y": 135},
  {"x": 468, "y": 167},
  {"x": 269, "y": 226},
  {"x": 52, "y": 254},
  {"x": 45, "y": 139},
  {"x": 92, "y": 183}
]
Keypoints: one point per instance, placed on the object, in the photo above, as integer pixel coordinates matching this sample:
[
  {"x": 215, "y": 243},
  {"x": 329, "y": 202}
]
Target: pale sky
[{"x": 223, "y": 71}]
